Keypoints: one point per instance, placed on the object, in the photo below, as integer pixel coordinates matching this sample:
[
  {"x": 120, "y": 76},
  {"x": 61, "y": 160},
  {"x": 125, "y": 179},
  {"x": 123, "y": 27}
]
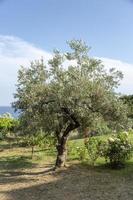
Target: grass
[
  {"x": 14, "y": 162},
  {"x": 20, "y": 158},
  {"x": 24, "y": 178},
  {"x": 15, "y": 157}
]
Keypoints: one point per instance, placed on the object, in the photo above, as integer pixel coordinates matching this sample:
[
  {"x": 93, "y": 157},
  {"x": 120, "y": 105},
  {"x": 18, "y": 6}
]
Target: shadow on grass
[
  {"x": 22, "y": 173},
  {"x": 74, "y": 183},
  {"x": 4, "y": 146},
  {"x": 7, "y": 145},
  {"x": 104, "y": 168},
  {"x": 15, "y": 162}
]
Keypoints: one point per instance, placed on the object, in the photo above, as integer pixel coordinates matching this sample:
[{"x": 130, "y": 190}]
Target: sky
[{"x": 30, "y": 29}]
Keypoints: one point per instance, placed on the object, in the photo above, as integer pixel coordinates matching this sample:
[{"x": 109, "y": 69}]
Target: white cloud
[
  {"x": 126, "y": 86},
  {"x": 15, "y": 52}
]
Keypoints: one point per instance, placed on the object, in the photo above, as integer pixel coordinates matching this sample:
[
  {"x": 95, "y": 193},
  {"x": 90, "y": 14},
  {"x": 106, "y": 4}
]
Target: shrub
[
  {"x": 130, "y": 131},
  {"x": 41, "y": 140},
  {"x": 118, "y": 150},
  {"x": 77, "y": 151},
  {"x": 94, "y": 148},
  {"x": 1, "y": 136},
  {"x": 7, "y": 124},
  {"x": 81, "y": 152},
  {"x": 72, "y": 151}
]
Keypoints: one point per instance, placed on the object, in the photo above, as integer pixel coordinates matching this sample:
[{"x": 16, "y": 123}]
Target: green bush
[
  {"x": 7, "y": 124},
  {"x": 76, "y": 151},
  {"x": 94, "y": 148},
  {"x": 81, "y": 152},
  {"x": 130, "y": 131},
  {"x": 118, "y": 150},
  {"x": 1, "y": 136}
]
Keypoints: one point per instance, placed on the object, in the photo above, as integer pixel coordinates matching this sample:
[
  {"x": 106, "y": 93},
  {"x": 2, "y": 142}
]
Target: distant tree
[
  {"x": 73, "y": 91},
  {"x": 128, "y": 100}
]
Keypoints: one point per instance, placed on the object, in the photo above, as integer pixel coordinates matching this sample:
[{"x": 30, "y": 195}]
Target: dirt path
[{"x": 74, "y": 183}]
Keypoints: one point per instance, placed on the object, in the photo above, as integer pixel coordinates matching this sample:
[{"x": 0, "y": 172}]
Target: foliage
[
  {"x": 41, "y": 140},
  {"x": 118, "y": 149},
  {"x": 7, "y": 124},
  {"x": 77, "y": 152},
  {"x": 81, "y": 151},
  {"x": 60, "y": 99},
  {"x": 130, "y": 131},
  {"x": 99, "y": 146},
  {"x": 101, "y": 127},
  {"x": 128, "y": 100},
  {"x": 94, "y": 148}
]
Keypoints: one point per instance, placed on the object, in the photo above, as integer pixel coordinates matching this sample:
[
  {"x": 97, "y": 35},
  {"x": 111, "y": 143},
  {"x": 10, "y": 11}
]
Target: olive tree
[{"x": 71, "y": 91}]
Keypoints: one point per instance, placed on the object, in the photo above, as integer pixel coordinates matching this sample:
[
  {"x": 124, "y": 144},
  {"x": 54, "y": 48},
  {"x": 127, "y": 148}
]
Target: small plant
[
  {"x": 130, "y": 131},
  {"x": 118, "y": 150},
  {"x": 76, "y": 151},
  {"x": 94, "y": 147},
  {"x": 81, "y": 152},
  {"x": 41, "y": 140}
]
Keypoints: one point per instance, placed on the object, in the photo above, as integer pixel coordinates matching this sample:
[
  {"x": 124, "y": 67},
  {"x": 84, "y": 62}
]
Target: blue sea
[{"x": 8, "y": 109}]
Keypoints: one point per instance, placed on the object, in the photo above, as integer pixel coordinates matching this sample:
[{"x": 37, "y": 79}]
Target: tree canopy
[{"x": 72, "y": 90}]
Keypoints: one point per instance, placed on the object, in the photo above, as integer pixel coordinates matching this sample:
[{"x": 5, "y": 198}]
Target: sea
[{"x": 8, "y": 109}]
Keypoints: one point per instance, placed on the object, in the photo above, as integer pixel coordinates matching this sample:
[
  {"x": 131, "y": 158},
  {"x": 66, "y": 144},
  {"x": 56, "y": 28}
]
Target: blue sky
[{"x": 31, "y": 28}]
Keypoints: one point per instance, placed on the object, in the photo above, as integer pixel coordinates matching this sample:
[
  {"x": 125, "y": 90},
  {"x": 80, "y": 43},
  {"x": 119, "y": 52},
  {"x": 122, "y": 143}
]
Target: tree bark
[
  {"x": 62, "y": 146},
  {"x": 61, "y": 153},
  {"x": 62, "y": 137}
]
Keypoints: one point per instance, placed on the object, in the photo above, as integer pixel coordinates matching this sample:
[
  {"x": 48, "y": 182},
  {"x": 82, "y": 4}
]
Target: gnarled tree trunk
[
  {"x": 62, "y": 137},
  {"x": 61, "y": 152}
]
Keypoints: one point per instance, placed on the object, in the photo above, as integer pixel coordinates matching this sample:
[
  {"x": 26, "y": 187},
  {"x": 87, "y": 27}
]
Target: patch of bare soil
[{"x": 73, "y": 183}]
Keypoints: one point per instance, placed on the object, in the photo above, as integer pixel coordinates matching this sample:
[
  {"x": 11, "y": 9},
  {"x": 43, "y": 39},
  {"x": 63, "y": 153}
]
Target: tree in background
[
  {"x": 128, "y": 100},
  {"x": 71, "y": 91}
]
